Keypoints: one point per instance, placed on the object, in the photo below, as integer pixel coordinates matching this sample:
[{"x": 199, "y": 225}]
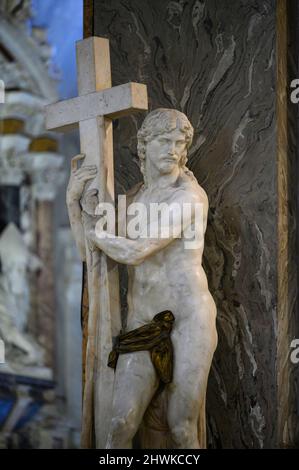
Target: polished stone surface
[
  {"x": 216, "y": 62},
  {"x": 287, "y": 184}
]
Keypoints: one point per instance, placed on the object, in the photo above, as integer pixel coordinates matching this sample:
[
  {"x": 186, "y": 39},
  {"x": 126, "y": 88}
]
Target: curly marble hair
[{"x": 158, "y": 122}]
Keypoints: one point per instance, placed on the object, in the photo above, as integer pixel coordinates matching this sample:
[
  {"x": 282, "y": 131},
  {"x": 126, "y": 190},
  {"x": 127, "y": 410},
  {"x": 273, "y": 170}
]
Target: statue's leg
[
  {"x": 186, "y": 405},
  {"x": 135, "y": 384}
]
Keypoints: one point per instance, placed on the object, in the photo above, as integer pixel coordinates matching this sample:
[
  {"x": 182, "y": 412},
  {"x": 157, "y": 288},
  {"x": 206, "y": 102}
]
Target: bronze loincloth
[{"x": 153, "y": 337}]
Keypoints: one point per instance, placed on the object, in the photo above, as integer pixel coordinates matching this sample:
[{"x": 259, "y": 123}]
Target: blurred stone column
[
  {"x": 11, "y": 173},
  {"x": 69, "y": 337},
  {"x": 47, "y": 175}
]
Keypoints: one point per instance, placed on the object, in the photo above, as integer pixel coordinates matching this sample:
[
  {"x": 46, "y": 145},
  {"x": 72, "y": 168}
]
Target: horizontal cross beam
[{"x": 112, "y": 103}]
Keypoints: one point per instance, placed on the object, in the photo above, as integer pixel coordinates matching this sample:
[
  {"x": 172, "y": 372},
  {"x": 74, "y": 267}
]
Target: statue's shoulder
[
  {"x": 191, "y": 191},
  {"x": 201, "y": 194}
]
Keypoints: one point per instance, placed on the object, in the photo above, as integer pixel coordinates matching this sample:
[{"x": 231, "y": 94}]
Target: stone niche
[{"x": 225, "y": 65}]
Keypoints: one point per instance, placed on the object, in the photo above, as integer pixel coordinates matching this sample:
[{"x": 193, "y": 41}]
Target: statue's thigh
[
  {"x": 135, "y": 383},
  {"x": 193, "y": 353}
]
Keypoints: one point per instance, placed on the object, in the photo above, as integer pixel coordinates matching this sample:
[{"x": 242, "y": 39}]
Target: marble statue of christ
[{"x": 162, "y": 276}]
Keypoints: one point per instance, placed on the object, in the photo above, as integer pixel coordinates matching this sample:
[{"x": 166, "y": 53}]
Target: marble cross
[{"x": 93, "y": 110}]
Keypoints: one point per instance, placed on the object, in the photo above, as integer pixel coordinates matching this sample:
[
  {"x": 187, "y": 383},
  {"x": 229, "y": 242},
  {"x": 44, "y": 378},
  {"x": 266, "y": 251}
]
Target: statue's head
[{"x": 164, "y": 139}]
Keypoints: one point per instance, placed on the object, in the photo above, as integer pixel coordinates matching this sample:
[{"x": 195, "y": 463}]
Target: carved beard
[{"x": 182, "y": 166}]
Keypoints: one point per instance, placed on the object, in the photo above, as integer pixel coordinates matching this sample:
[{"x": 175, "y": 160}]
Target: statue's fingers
[
  {"x": 85, "y": 169},
  {"x": 81, "y": 174},
  {"x": 92, "y": 192},
  {"x": 87, "y": 177},
  {"x": 88, "y": 168},
  {"x": 74, "y": 161}
]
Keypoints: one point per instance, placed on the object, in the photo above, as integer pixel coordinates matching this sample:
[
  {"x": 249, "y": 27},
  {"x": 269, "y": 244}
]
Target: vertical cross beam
[
  {"x": 94, "y": 74},
  {"x": 93, "y": 59}
]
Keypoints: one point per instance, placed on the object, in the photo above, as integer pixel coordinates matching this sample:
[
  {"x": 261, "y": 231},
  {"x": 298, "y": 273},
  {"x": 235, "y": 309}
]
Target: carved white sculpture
[
  {"x": 16, "y": 263},
  {"x": 163, "y": 275}
]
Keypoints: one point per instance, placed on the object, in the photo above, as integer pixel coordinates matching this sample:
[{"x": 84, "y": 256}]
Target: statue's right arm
[
  {"x": 75, "y": 188},
  {"x": 74, "y": 211}
]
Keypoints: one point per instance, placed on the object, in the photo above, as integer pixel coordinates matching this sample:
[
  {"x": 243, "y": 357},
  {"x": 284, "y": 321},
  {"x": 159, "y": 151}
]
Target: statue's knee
[
  {"x": 123, "y": 426},
  {"x": 184, "y": 433}
]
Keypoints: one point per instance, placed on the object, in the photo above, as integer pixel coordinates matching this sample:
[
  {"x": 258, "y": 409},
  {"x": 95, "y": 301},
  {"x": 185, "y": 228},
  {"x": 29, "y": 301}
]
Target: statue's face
[{"x": 165, "y": 151}]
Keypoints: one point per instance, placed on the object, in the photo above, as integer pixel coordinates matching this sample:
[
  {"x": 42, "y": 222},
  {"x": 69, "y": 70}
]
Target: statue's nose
[{"x": 171, "y": 148}]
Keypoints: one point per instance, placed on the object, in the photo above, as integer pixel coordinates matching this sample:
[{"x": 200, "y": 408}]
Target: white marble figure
[
  {"x": 163, "y": 275},
  {"x": 16, "y": 263}
]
